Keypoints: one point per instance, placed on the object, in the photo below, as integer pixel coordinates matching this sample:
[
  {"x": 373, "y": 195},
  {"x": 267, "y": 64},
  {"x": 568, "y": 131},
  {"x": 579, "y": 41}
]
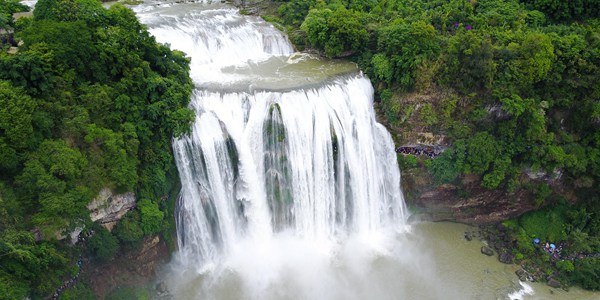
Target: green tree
[
  {"x": 16, "y": 109},
  {"x": 118, "y": 162},
  {"x": 567, "y": 10},
  {"x": 536, "y": 57},
  {"x": 336, "y": 31},
  {"x": 71, "y": 44},
  {"x": 406, "y": 46},
  {"x": 128, "y": 230},
  {"x": 151, "y": 216},
  {"x": 103, "y": 244},
  {"x": 470, "y": 63},
  {"x": 7, "y": 9},
  {"x": 294, "y": 12},
  {"x": 482, "y": 150}
]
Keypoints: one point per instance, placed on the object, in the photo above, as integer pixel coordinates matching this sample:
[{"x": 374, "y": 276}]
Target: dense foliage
[
  {"x": 7, "y": 9},
  {"x": 516, "y": 84},
  {"x": 90, "y": 100}
]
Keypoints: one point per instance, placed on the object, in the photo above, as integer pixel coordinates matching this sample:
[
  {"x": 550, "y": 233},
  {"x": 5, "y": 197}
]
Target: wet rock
[
  {"x": 522, "y": 274},
  {"x": 553, "y": 282},
  {"x": 487, "y": 250},
  {"x": 161, "y": 288},
  {"x": 468, "y": 236},
  {"x": 506, "y": 258}
]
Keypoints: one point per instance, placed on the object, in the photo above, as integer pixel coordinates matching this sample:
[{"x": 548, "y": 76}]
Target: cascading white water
[
  {"x": 311, "y": 161},
  {"x": 290, "y": 189},
  {"x": 283, "y": 174}
]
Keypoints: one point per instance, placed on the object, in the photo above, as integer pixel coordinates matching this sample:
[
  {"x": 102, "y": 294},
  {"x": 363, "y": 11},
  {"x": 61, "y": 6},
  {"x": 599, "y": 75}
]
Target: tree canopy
[{"x": 89, "y": 101}]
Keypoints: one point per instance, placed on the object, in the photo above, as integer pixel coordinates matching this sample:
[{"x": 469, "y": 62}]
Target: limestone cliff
[{"x": 108, "y": 208}]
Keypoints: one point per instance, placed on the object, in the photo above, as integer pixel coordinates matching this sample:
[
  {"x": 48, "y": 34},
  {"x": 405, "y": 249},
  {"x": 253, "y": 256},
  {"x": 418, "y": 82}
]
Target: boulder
[
  {"x": 108, "y": 208},
  {"x": 487, "y": 250},
  {"x": 553, "y": 283},
  {"x": 506, "y": 258},
  {"x": 522, "y": 274},
  {"x": 468, "y": 236}
]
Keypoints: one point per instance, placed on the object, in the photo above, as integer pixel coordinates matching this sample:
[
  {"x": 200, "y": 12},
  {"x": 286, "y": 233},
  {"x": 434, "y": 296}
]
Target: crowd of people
[
  {"x": 555, "y": 251},
  {"x": 420, "y": 150}
]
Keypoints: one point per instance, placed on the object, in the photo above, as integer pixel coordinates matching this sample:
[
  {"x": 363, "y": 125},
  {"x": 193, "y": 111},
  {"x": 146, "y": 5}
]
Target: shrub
[
  {"x": 152, "y": 217},
  {"x": 128, "y": 229},
  {"x": 103, "y": 244},
  {"x": 546, "y": 224}
]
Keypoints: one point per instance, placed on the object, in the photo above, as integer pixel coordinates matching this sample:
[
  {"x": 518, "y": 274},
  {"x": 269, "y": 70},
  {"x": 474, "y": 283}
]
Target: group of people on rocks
[
  {"x": 68, "y": 283},
  {"x": 549, "y": 248},
  {"x": 555, "y": 251},
  {"x": 429, "y": 151}
]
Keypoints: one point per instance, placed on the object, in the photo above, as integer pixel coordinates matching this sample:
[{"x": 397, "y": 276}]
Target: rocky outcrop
[
  {"x": 108, "y": 208},
  {"x": 468, "y": 203},
  {"x": 133, "y": 267}
]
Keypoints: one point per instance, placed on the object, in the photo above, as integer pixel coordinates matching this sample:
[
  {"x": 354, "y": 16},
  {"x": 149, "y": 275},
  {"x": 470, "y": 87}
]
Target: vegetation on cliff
[
  {"x": 520, "y": 86},
  {"x": 90, "y": 100}
]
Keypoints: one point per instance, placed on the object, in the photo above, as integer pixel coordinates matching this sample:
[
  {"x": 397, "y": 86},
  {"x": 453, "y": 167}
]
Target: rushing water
[{"x": 290, "y": 188}]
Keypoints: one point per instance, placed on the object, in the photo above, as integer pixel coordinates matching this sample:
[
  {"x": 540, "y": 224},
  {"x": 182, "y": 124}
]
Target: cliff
[
  {"x": 131, "y": 268},
  {"x": 108, "y": 208}
]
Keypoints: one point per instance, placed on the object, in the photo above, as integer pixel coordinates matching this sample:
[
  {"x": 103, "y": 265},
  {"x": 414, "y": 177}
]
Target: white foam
[{"x": 525, "y": 290}]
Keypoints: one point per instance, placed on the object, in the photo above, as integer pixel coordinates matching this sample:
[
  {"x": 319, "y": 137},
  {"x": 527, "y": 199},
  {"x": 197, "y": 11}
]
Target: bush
[
  {"x": 103, "y": 244},
  {"x": 565, "y": 266},
  {"x": 407, "y": 162},
  {"x": 152, "y": 217},
  {"x": 587, "y": 273},
  {"x": 524, "y": 242},
  {"x": 335, "y": 31},
  {"x": 546, "y": 224},
  {"x": 128, "y": 230}
]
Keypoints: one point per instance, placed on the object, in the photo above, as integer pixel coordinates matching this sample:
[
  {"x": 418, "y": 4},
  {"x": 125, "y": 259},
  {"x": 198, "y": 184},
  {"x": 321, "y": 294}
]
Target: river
[{"x": 291, "y": 189}]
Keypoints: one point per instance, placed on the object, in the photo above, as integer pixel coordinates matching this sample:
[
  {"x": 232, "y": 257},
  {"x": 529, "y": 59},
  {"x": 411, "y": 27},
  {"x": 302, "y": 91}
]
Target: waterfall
[{"x": 284, "y": 156}]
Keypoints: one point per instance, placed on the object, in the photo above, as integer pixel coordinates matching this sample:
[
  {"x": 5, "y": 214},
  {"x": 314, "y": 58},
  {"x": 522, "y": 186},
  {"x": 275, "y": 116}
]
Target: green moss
[{"x": 547, "y": 225}]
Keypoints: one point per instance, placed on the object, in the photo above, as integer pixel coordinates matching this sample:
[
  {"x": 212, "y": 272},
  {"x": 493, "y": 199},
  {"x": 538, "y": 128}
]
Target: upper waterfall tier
[{"x": 231, "y": 52}]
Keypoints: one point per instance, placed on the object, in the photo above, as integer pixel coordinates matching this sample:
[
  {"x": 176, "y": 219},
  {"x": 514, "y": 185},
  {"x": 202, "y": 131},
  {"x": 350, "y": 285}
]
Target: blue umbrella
[
  {"x": 536, "y": 241},
  {"x": 552, "y": 246}
]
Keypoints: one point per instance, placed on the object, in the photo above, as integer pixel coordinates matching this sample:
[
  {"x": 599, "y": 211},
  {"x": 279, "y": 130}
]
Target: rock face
[
  {"x": 131, "y": 268},
  {"x": 108, "y": 208},
  {"x": 469, "y": 203}
]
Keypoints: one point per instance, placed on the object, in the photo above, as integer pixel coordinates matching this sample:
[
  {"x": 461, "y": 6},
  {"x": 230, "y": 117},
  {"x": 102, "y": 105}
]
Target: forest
[
  {"x": 521, "y": 86},
  {"x": 90, "y": 100}
]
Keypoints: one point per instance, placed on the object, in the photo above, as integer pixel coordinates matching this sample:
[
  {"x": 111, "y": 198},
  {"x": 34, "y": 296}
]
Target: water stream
[{"x": 290, "y": 188}]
